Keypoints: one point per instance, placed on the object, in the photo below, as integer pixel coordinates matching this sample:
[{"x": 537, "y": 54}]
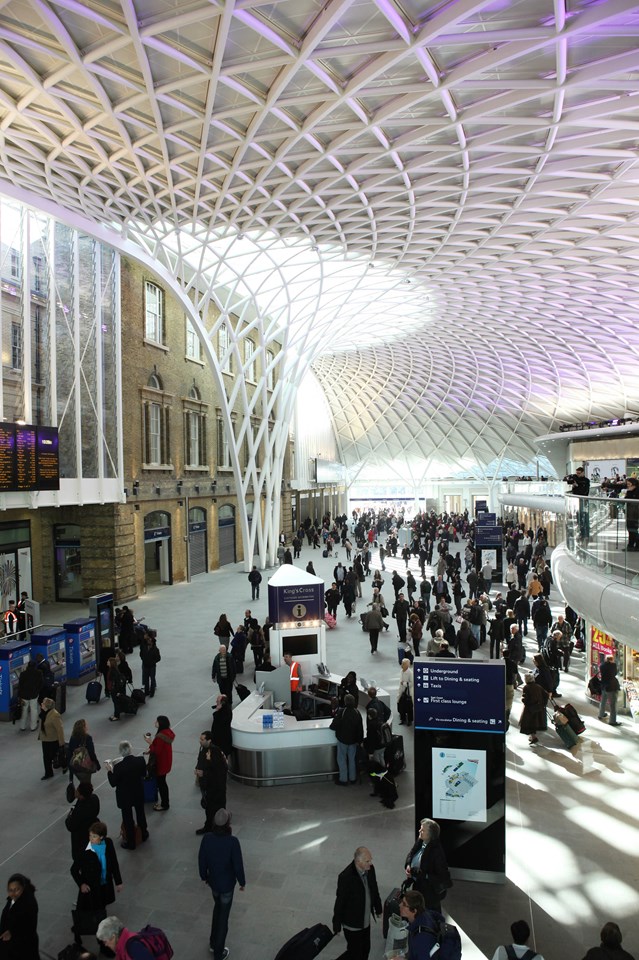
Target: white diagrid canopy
[{"x": 435, "y": 203}]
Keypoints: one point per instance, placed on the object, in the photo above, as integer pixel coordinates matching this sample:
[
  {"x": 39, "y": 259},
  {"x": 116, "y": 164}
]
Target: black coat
[
  {"x": 348, "y": 726},
  {"x": 221, "y": 728},
  {"x": 127, "y": 777},
  {"x": 431, "y": 878},
  {"x": 79, "y": 819},
  {"x": 21, "y": 920},
  {"x": 86, "y": 869},
  {"x": 350, "y": 898}
]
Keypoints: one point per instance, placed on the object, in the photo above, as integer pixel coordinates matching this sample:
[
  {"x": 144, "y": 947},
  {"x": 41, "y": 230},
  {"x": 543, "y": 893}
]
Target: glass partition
[{"x": 597, "y": 535}]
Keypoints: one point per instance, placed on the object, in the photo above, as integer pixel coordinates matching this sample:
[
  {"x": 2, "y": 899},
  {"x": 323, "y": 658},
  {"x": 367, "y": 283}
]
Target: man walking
[
  {"x": 518, "y": 949},
  {"x": 127, "y": 776},
  {"x": 221, "y": 867},
  {"x": 356, "y": 899},
  {"x": 609, "y": 691},
  {"x": 255, "y": 579},
  {"x": 211, "y": 771},
  {"x": 400, "y": 611},
  {"x": 224, "y": 672}
]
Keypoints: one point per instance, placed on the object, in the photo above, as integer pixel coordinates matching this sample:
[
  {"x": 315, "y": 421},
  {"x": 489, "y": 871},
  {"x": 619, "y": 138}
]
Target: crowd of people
[{"x": 449, "y": 612}]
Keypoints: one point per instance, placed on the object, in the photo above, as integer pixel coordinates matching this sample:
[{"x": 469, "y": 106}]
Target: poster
[
  {"x": 459, "y": 785},
  {"x": 598, "y": 470}
]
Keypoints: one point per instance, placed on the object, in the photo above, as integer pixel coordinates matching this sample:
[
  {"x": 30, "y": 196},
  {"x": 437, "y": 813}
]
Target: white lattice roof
[{"x": 483, "y": 150}]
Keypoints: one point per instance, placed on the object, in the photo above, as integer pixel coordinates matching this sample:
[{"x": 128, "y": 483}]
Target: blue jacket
[
  {"x": 220, "y": 862},
  {"x": 421, "y": 941}
]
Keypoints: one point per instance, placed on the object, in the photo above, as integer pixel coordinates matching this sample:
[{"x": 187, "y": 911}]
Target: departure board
[{"x": 29, "y": 458}]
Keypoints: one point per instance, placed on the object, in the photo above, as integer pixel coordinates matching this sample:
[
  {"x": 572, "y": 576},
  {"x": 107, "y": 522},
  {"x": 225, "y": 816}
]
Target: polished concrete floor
[{"x": 573, "y": 822}]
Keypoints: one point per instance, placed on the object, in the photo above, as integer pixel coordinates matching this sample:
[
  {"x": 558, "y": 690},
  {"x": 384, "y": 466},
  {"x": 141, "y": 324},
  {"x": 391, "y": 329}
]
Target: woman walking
[
  {"x": 161, "y": 758},
  {"x": 97, "y": 874},
  {"x": 81, "y": 817},
  {"x": 533, "y": 717},
  {"x": 81, "y": 754}
]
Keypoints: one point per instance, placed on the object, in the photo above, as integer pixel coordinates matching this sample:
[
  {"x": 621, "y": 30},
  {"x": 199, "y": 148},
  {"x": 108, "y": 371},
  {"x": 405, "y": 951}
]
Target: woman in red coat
[{"x": 161, "y": 758}]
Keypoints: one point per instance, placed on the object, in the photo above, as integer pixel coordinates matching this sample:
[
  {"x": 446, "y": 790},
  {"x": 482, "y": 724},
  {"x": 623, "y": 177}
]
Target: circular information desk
[{"x": 297, "y": 752}]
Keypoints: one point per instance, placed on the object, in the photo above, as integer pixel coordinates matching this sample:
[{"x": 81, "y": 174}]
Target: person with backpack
[
  {"x": 518, "y": 949},
  {"x": 428, "y": 933},
  {"x": 150, "y": 943}
]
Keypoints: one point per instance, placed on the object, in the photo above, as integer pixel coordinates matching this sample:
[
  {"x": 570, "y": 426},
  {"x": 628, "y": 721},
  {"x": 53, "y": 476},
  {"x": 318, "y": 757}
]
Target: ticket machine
[
  {"x": 51, "y": 643},
  {"x": 14, "y": 657},
  {"x": 80, "y": 650}
]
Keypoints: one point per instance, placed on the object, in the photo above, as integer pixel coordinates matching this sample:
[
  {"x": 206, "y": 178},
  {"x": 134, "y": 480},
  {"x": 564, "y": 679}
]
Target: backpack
[
  {"x": 448, "y": 942},
  {"x": 155, "y": 941},
  {"x": 528, "y": 955}
]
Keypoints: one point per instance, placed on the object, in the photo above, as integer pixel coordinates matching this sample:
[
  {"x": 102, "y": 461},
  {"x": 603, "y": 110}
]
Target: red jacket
[{"x": 162, "y": 749}]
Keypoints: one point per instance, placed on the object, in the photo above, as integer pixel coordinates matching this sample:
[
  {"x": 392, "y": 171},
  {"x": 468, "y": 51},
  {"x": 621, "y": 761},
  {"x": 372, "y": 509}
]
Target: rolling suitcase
[
  {"x": 566, "y": 733},
  {"x": 127, "y": 705},
  {"x": 394, "y": 755},
  {"x": 391, "y": 906},
  {"x": 325, "y": 554},
  {"x": 572, "y": 717},
  {"x": 94, "y": 691},
  {"x": 306, "y": 944},
  {"x": 138, "y": 694}
]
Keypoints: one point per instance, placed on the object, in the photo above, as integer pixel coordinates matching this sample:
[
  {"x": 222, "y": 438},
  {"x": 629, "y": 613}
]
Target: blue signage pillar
[{"x": 460, "y": 762}]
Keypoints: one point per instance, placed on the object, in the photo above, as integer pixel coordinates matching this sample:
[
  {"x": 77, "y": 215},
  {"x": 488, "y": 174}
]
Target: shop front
[{"x": 602, "y": 645}]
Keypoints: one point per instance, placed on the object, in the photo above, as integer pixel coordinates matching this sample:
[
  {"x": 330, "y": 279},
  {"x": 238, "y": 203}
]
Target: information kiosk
[{"x": 296, "y": 610}]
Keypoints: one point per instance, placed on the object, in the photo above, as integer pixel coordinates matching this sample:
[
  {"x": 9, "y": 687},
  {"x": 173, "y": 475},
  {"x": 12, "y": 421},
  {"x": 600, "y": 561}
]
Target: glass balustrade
[{"x": 597, "y": 535}]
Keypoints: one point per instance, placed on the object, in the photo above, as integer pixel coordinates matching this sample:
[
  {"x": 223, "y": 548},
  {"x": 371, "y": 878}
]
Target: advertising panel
[{"x": 597, "y": 470}]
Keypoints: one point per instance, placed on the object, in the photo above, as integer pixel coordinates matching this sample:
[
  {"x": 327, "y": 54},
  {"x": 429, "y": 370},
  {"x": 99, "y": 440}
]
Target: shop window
[
  {"x": 153, "y": 313},
  {"x": 249, "y": 360},
  {"x": 224, "y": 354}
]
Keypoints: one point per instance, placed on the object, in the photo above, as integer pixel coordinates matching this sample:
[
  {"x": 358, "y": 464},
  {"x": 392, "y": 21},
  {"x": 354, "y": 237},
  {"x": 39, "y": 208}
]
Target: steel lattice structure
[{"x": 435, "y": 203}]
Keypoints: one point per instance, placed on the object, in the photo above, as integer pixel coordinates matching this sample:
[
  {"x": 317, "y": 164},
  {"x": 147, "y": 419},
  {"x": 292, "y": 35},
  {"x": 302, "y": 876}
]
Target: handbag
[
  {"x": 70, "y": 792},
  {"x": 81, "y": 760},
  {"x": 86, "y": 922}
]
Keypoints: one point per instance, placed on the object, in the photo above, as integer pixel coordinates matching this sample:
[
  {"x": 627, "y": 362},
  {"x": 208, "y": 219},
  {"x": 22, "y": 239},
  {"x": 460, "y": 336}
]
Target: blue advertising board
[
  {"x": 489, "y": 536},
  {"x": 460, "y": 695}
]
